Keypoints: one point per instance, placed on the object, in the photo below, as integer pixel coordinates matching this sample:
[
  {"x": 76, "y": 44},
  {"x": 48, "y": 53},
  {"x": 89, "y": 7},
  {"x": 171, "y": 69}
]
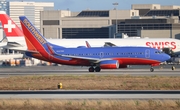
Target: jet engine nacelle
[{"x": 109, "y": 64}]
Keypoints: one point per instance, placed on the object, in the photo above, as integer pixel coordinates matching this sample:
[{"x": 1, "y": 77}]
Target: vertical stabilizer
[
  {"x": 34, "y": 39},
  {"x": 11, "y": 30}
]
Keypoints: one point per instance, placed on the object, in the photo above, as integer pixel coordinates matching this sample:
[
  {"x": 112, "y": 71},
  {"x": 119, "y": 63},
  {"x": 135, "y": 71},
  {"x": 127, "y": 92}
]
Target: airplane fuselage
[{"x": 124, "y": 55}]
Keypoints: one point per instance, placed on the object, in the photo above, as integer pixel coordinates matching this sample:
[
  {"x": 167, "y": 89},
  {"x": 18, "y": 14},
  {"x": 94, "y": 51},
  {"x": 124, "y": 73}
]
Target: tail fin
[
  {"x": 34, "y": 39},
  {"x": 12, "y": 31}
]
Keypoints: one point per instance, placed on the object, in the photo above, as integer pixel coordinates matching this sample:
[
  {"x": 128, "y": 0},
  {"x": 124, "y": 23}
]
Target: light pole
[{"x": 115, "y": 4}]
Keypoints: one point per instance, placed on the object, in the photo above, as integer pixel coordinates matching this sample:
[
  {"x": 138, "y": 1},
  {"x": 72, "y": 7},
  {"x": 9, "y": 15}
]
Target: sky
[{"x": 79, "y": 5}]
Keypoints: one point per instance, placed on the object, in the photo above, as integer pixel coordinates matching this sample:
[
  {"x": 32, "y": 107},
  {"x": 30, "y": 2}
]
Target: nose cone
[{"x": 166, "y": 57}]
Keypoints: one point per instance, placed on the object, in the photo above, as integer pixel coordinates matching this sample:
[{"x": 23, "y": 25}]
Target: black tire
[
  {"x": 151, "y": 69},
  {"x": 91, "y": 69},
  {"x": 173, "y": 68},
  {"x": 97, "y": 69}
]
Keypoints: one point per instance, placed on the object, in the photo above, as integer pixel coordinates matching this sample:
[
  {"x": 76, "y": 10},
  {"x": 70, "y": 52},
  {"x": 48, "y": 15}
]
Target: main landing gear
[{"x": 96, "y": 69}]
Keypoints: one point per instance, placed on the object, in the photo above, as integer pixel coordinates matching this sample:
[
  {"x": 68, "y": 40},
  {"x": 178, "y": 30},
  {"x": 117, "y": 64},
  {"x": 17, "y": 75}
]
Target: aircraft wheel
[
  {"x": 91, "y": 69},
  {"x": 173, "y": 67},
  {"x": 151, "y": 69},
  {"x": 97, "y": 69}
]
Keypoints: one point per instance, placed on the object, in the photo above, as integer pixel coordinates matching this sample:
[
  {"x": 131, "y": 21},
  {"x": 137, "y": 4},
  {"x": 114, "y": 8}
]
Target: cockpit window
[{"x": 158, "y": 52}]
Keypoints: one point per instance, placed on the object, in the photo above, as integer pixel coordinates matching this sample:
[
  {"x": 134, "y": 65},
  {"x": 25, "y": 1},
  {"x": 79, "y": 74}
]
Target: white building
[{"x": 29, "y": 9}]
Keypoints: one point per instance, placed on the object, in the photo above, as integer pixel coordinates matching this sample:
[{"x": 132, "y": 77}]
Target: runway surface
[
  {"x": 90, "y": 94},
  {"x": 69, "y": 70}
]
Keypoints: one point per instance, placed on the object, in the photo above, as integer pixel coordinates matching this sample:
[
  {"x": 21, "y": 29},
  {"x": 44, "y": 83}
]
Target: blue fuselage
[{"x": 124, "y": 55}]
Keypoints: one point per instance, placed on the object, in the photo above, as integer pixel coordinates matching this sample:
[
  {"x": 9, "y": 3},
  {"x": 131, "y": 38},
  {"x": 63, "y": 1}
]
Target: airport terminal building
[
  {"x": 144, "y": 20},
  {"x": 86, "y": 24}
]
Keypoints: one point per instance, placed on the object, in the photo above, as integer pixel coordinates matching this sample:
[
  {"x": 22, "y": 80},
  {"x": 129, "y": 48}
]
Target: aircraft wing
[
  {"x": 94, "y": 60},
  {"x": 20, "y": 49},
  {"x": 13, "y": 46},
  {"x": 2, "y": 44},
  {"x": 17, "y": 47}
]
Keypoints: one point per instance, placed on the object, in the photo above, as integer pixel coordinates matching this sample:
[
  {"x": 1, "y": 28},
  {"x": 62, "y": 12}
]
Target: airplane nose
[{"x": 166, "y": 57}]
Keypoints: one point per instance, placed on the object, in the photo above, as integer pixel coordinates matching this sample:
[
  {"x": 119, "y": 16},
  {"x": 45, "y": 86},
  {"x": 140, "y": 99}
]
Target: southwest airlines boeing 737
[{"x": 98, "y": 57}]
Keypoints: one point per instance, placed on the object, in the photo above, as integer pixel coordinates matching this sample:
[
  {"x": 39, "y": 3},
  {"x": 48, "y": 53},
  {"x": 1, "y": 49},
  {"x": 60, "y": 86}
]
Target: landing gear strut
[{"x": 151, "y": 69}]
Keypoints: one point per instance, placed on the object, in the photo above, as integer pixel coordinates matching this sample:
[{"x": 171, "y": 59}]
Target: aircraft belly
[{"x": 136, "y": 61}]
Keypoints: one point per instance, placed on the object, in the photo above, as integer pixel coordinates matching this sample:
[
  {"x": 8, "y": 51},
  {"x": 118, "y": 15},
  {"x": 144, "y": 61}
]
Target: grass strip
[
  {"x": 91, "y": 82},
  {"x": 38, "y": 104}
]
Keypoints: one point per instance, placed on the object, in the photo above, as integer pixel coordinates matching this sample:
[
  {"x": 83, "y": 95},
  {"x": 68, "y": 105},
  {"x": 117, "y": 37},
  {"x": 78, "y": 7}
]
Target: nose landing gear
[{"x": 173, "y": 68}]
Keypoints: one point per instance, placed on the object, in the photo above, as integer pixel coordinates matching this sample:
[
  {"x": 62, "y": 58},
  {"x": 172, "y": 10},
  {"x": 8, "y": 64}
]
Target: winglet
[{"x": 88, "y": 45}]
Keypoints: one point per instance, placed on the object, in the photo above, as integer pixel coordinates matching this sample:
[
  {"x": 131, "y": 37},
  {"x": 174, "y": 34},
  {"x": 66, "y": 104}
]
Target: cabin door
[
  {"x": 147, "y": 53},
  {"x": 101, "y": 54}
]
